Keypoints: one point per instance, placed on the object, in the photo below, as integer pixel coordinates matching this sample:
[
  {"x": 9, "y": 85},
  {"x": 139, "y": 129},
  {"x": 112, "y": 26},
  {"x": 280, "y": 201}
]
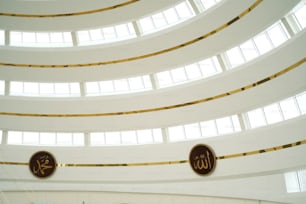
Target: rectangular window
[
  {"x": 129, "y": 137},
  {"x": 112, "y": 138},
  {"x": 176, "y": 133},
  {"x": 16, "y": 88},
  {"x": 97, "y": 138},
  {"x": 46, "y": 89},
  {"x": 301, "y": 100},
  {"x": 300, "y": 15},
  {"x": 224, "y": 125},
  {"x": 295, "y": 181},
  {"x": 14, "y": 137},
  {"x": 193, "y": 71},
  {"x": 109, "y": 33},
  {"x": 92, "y": 88},
  {"x": 2, "y": 37},
  {"x": 62, "y": 89},
  {"x": 171, "y": 16},
  {"x": 47, "y": 138},
  {"x": 164, "y": 79},
  {"x": 146, "y": 24},
  {"x": 30, "y": 138},
  {"x": 209, "y": 67},
  {"x": 144, "y": 136},
  {"x": 263, "y": 43},
  {"x": 208, "y": 128},
  {"x": 178, "y": 75},
  {"x": 273, "y": 113},
  {"x": 78, "y": 139},
  {"x": 184, "y": 10},
  {"x": 96, "y": 34},
  {"x": 159, "y": 20},
  {"x": 256, "y": 118},
  {"x": 64, "y": 139},
  {"x": 30, "y": 88},
  {"x": 249, "y": 50},
  {"x": 292, "y": 182},
  {"x": 106, "y": 87},
  {"x": 277, "y": 34},
  {"x": 235, "y": 57},
  {"x": 289, "y": 108},
  {"x": 121, "y": 85},
  {"x": 2, "y": 87},
  {"x": 157, "y": 135},
  {"x": 192, "y": 131},
  {"x": 15, "y": 38}
]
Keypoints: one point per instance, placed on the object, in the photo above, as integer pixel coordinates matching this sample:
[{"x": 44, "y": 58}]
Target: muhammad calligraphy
[
  {"x": 202, "y": 159},
  {"x": 42, "y": 164}
]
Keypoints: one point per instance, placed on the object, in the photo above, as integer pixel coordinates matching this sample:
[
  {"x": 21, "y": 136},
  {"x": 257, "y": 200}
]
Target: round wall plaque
[
  {"x": 42, "y": 164},
  {"x": 202, "y": 159}
]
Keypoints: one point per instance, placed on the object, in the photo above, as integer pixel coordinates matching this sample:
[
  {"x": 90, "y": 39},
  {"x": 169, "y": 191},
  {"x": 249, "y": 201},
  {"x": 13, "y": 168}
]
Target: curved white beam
[
  {"x": 283, "y": 86},
  {"x": 79, "y": 19},
  {"x": 256, "y": 21}
]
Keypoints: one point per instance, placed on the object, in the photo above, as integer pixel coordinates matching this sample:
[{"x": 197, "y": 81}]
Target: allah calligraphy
[
  {"x": 202, "y": 159},
  {"x": 42, "y": 164}
]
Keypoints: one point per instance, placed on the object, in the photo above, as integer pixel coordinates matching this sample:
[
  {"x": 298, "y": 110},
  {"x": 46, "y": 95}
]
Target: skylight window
[
  {"x": 263, "y": 43},
  {"x": 272, "y": 37},
  {"x": 259, "y": 117},
  {"x": 295, "y": 181},
  {"x": 2, "y": 37},
  {"x": 210, "y": 128},
  {"x": 277, "y": 112},
  {"x": 196, "y": 71},
  {"x": 289, "y": 108},
  {"x": 120, "y": 86},
  {"x": 44, "y": 89},
  {"x": 40, "y": 39},
  {"x": 166, "y": 18},
  {"x": 106, "y": 35},
  {"x": 2, "y": 87},
  {"x": 41, "y": 138},
  {"x": 300, "y": 16},
  {"x": 205, "y": 4},
  {"x": 132, "y": 137}
]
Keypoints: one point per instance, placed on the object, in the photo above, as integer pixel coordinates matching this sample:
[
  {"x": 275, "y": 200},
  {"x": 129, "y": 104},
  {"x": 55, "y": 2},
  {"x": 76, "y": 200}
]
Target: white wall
[
  {"x": 282, "y": 87},
  {"x": 251, "y": 177},
  {"x": 115, "y": 198},
  {"x": 267, "y": 13}
]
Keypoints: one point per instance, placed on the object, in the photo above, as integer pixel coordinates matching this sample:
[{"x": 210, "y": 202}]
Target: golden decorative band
[
  {"x": 220, "y": 28},
  {"x": 261, "y": 151},
  {"x": 222, "y": 95},
  {"x": 69, "y": 14}
]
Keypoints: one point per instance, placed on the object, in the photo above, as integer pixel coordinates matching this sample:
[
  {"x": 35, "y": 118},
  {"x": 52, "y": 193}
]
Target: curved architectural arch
[
  {"x": 252, "y": 159},
  {"x": 24, "y": 15}
]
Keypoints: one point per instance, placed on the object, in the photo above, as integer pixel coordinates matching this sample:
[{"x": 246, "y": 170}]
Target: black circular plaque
[
  {"x": 42, "y": 164},
  {"x": 202, "y": 159}
]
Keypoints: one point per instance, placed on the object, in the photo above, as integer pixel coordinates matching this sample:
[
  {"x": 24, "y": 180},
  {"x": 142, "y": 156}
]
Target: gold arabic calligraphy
[
  {"x": 42, "y": 165},
  {"x": 202, "y": 161}
]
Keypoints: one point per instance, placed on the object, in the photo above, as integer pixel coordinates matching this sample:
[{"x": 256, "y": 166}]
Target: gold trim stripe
[
  {"x": 232, "y": 92},
  {"x": 220, "y": 28},
  {"x": 69, "y": 14},
  {"x": 125, "y": 164},
  {"x": 261, "y": 151}
]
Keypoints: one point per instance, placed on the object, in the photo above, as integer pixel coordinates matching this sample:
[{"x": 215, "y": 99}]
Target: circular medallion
[
  {"x": 202, "y": 159},
  {"x": 42, "y": 164}
]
